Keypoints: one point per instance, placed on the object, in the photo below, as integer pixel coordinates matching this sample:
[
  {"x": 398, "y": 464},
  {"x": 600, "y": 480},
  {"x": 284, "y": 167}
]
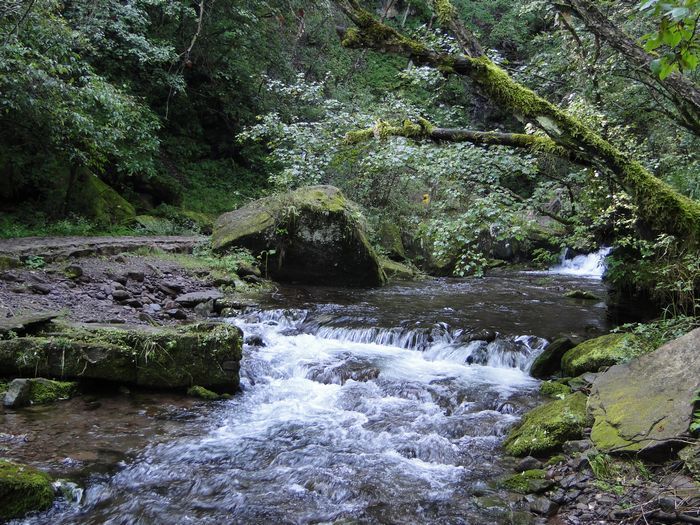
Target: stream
[{"x": 361, "y": 406}]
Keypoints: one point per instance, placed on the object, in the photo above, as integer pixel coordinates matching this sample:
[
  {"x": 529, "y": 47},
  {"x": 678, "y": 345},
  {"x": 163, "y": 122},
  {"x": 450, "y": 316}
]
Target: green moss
[
  {"x": 162, "y": 358},
  {"x": 8, "y": 263},
  {"x": 23, "y": 489},
  {"x": 527, "y": 482},
  {"x": 604, "y": 351},
  {"x": 202, "y": 393},
  {"x": 546, "y": 428},
  {"x": 555, "y": 460},
  {"x": 45, "y": 391},
  {"x": 445, "y": 11},
  {"x": 554, "y": 389}
]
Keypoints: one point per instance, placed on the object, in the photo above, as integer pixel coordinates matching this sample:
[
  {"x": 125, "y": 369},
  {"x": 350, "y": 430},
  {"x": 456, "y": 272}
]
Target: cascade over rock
[
  {"x": 313, "y": 235},
  {"x": 646, "y": 405}
]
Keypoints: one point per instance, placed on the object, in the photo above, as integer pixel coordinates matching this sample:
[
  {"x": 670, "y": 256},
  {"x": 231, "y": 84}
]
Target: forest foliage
[{"x": 196, "y": 107}]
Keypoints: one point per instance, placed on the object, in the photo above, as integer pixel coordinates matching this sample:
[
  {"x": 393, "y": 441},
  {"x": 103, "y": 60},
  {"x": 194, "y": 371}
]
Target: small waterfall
[
  {"x": 591, "y": 265},
  {"x": 437, "y": 343}
]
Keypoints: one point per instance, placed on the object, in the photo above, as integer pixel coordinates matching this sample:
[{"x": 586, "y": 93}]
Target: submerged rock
[
  {"x": 607, "y": 350},
  {"x": 313, "y": 235},
  {"x": 547, "y": 427},
  {"x": 205, "y": 354},
  {"x": 37, "y": 391},
  {"x": 23, "y": 489},
  {"x": 645, "y": 405}
]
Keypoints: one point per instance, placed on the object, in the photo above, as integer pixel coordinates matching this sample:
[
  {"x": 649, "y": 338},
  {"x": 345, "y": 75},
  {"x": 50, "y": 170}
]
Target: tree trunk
[
  {"x": 682, "y": 92},
  {"x": 662, "y": 208}
]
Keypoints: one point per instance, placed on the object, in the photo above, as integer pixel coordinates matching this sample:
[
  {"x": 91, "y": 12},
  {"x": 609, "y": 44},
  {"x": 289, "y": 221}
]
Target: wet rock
[
  {"x": 528, "y": 463},
  {"x": 547, "y": 427},
  {"x": 192, "y": 299},
  {"x": 643, "y": 406},
  {"x": 254, "y": 340},
  {"x": 204, "y": 354},
  {"x": 37, "y": 391},
  {"x": 23, "y": 489},
  {"x": 18, "y": 394},
  {"x": 152, "y": 309},
  {"x": 310, "y": 235},
  {"x": 202, "y": 393},
  {"x": 133, "y": 303},
  {"x": 582, "y": 294},
  {"x": 549, "y": 361},
  {"x": 604, "y": 351},
  {"x": 543, "y": 506}
]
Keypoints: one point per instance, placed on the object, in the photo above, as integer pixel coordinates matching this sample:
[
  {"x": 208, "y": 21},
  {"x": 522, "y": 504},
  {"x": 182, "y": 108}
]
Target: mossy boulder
[
  {"x": 396, "y": 271},
  {"x": 8, "y": 263},
  {"x": 549, "y": 361},
  {"x": 95, "y": 199},
  {"x": 604, "y": 351},
  {"x": 314, "y": 235},
  {"x": 37, "y": 391},
  {"x": 23, "y": 489},
  {"x": 390, "y": 240},
  {"x": 206, "y": 354},
  {"x": 644, "y": 406},
  {"x": 202, "y": 393},
  {"x": 546, "y": 428},
  {"x": 527, "y": 482}
]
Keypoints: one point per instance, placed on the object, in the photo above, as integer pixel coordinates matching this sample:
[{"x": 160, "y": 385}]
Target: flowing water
[{"x": 361, "y": 406}]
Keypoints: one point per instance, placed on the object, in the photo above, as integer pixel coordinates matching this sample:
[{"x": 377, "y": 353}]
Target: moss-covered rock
[
  {"x": 202, "y": 393},
  {"x": 396, "y": 271},
  {"x": 604, "y": 351},
  {"x": 95, "y": 199},
  {"x": 7, "y": 263},
  {"x": 554, "y": 389},
  {"x": 527, "y": 482},
  {"x": 547, "y": 427},
  {"x": 37, "y": 391},
  {"x": 549, "y": 361},
  {"x": 23, "y": 489},
  {"x": 390, "y": 239},
  {"x": 313, "y": 234},
  {"x": 205, "y": 354},
  {"x": 644, "y": 406},
  {"x": 581, "y": 294}
]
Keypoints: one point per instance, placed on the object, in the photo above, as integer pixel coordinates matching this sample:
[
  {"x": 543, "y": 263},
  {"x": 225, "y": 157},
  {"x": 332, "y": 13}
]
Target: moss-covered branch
[
  {"x": 424, "y": 130},
  {"x": 662, "y": 208}
]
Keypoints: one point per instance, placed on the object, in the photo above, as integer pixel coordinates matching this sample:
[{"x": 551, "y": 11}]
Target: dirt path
[{"x": 57, "y": 248}]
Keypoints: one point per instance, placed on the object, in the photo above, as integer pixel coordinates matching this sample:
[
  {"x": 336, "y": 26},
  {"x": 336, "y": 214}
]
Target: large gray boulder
[
  {"x": 645, "y": 406},
  {"x": 313, "y": 235}
]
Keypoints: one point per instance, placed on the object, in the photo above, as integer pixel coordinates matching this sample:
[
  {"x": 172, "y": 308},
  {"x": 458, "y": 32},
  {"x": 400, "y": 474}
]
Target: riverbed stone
[
  {"x": 37, "y": 391},
  {"x": 600, "y": 352},
  {"x": 205, "y": 354},
  {"x": 546, "y": 428},
  {"x": 194, "y": 298},
  {"x": 23, "y": 489},
  {"x": 528, "y": 482},
  {"x": 314, "y": 235},
  {"x": 549, "y": 361},
  {"x": 644, "y": 406}
]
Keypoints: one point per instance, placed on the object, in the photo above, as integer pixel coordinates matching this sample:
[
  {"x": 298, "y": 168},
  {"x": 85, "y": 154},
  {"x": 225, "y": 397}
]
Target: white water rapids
[{"x": 347, "y": 416}]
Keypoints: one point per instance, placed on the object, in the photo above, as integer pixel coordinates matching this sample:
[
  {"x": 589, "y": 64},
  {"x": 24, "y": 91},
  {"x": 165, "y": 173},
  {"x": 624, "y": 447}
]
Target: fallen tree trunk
[{"x": 662, "y": 208}]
